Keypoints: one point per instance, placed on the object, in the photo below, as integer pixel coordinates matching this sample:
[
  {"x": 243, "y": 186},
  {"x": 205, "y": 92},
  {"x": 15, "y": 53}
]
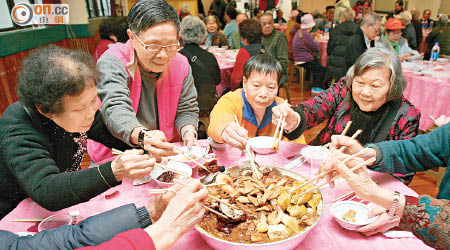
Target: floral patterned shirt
[
  {"x": 429, "y": 219},
  {"x": 333, "y": 105}
]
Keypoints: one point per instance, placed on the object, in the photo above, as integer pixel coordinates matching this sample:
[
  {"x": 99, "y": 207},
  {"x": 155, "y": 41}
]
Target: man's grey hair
[
  {"x": 406, "y": 15},
  {"x": 242, "y": 13},
  {"x": 192, "y": 30},
  {"x": 379, "y": 58},
  {"x": 370, "y": 18},
  {"x": 146, "y": 13},
  {"x": 415, "y": 13},
  {"x": 348, "y": 14},
  {"x": 443, "y": 19}
]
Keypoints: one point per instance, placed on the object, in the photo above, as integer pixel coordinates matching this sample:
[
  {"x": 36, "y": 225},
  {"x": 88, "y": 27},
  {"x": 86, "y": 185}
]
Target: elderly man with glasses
[
  {"x": 364, "y": 37},
  {"x": 146, "y": 87}
]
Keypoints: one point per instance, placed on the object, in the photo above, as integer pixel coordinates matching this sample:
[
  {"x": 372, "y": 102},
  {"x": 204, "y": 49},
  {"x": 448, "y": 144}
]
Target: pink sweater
[{"x": 168, "y": 90}]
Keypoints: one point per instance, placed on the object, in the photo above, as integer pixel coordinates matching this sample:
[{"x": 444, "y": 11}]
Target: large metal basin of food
[{"x": 289, "y": 243}]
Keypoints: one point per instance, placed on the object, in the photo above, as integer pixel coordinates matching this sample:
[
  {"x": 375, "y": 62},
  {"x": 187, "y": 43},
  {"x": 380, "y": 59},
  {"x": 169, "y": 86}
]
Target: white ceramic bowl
[
  {"x": 196, "y": 152},
  {"x": 157, "y": 171},
  {"x": 261, "y": 144},
  {"x": 216, "y": 145},
  {"x": 340, "y": 208},
  {"x": 286, "y": 244},
  {"x": 55, "y": 221},
  {"x": 315, "y": 155}
]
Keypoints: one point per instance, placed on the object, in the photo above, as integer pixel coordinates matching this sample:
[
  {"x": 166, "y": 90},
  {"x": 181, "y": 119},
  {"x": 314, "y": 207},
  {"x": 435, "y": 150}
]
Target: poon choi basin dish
[{"x": 271, "y": 217}]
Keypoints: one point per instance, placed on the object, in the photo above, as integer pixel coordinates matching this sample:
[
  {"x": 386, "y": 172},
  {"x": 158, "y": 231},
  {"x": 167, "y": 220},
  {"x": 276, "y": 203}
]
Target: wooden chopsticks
[
  {"x": 217, "y": 199},
  {"x": 226, "y": 203},
  {"x": 216, "y": 212},
  {"x": 278, "y": 131},
  {"x": 118, "y": 152},
  {"x": 327, "y": 172},
  {"x": 248, "y": 153},
  {"x": 171, "y": 169},
  {"x": 369, "y": 161},
  {"x": 186, "y": 154},
  {"x": 28, "y": 220}
]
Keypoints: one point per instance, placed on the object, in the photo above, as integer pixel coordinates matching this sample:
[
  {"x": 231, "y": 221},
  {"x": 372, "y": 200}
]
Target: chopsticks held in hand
[
  {"x": 344, "y": 132},
  {"x": 217, "y": 199},
  {"x": 328, "y": 172},
  {"x": 278, "y": 131},
  {"x": 186, "y": 154},
  {"x": 362, "y": 164},
  {"x": 118, "y": 152},
  {"x": 248, "y": 153},
  {"x": 28, "y": 220}
]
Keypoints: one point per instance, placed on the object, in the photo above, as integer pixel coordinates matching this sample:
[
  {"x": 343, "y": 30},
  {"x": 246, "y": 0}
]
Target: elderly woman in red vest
[{"x": 146, "y": 87}]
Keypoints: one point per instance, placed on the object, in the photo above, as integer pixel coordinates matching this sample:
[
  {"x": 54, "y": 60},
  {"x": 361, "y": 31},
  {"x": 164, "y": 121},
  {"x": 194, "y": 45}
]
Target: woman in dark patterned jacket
[
  {"x": 370, "y": 96},
  {"x": 44, "y": 135},
  {"x": 215, "y": 36}
]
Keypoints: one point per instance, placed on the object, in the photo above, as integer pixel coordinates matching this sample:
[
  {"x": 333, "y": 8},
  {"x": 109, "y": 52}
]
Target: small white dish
[
  {"x": 315, "y": 154},
  {"x": 142, "y": 180},
  {"x": 55, "y": 221},
  {"x": 182, "y": 167},
  {"x": 340, "y": 208},
  {"x": 261, "y": 144},
  {"x": 216, "y": 145},
  {"x": 195, "y": 152}
]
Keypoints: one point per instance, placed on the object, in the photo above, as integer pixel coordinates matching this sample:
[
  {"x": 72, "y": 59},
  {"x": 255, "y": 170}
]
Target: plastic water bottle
[{"x": 435, "y": 52}]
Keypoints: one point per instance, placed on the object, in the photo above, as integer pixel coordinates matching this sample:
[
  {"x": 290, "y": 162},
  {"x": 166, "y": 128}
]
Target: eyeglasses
[{"x": 157, "y": 47}]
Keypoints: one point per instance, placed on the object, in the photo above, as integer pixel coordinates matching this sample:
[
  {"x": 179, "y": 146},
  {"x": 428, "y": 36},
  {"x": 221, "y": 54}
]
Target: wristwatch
[
  {"x": 394, "y": 205},
  {"x": 141, "y": 136}
]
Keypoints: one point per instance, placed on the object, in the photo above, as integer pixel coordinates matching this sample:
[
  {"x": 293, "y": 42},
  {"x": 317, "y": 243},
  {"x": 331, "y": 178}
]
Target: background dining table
[
  {"x": 327, "y": 234},
  {"x": 280, "y": 27},
  {"x": 428, "y": 89},
  {"x": 226, "y": 60}
]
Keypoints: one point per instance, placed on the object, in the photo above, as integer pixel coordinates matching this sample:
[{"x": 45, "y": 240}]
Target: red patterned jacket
[{"x": 333, "y": 105}]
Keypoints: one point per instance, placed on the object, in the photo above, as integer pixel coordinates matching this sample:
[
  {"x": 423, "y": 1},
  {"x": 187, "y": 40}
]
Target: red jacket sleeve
[
  {"x": 134, "y": 239},
  {"x": 238, "y": 70}
]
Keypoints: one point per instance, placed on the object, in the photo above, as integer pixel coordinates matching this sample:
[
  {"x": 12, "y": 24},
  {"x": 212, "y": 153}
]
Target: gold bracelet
[{"x": 98, "y": 168}]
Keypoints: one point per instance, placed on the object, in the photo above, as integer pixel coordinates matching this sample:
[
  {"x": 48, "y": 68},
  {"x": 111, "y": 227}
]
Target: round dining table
[
  {"x": 281, "y": 27},
  {"x": 226, "y": 60},
  {"x": 327, "y": 233},
  {"x": 428, "y": 89}
]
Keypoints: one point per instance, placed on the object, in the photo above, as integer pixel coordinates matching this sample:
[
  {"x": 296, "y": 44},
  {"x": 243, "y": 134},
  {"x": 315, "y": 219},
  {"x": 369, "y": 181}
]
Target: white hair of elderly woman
[
  {"x": 193, "y": 30},
  {"x": 378, "y": 58}
]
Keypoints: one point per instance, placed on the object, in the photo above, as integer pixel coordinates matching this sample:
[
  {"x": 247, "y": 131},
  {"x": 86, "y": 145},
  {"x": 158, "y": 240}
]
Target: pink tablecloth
[
  {"x": 323, "y": 44},
  {"x": 281, "y": 28},
  {"x": 327, "y": 234},
  {"x": 429, "y": 96},
  {"x": 226, "y": 69}
]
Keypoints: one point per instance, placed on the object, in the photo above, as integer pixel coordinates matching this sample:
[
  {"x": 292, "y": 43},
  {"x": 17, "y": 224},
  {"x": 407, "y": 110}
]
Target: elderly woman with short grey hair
[
  {"x": 205, "y": 69},
  {"x": 371, "y": 96}
]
